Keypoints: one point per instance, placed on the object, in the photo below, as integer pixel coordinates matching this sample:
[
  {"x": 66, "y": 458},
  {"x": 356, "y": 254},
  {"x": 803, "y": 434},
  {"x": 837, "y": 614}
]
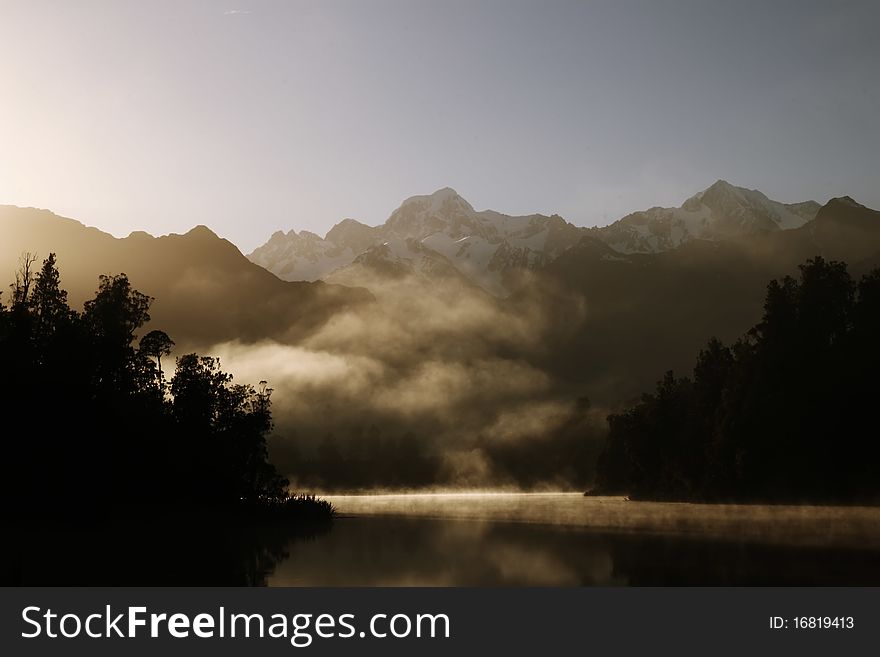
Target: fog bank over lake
[
  {"x": 566, "y": 539},
  {"x": 783, "y": 524}
]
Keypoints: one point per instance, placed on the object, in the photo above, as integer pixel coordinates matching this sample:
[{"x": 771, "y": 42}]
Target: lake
[{"x": 566, "y": 539}]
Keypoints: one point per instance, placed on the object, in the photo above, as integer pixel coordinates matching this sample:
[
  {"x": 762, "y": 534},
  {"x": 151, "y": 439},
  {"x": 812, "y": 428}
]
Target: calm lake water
[{"x": 566, "y": 539}]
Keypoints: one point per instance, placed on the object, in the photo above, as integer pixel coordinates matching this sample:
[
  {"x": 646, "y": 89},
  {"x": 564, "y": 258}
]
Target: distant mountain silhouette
[{"x": 206, "y": 291}]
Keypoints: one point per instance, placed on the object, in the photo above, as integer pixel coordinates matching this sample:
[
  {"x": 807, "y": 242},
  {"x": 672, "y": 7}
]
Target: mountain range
[
  {"x": 428, "y": 236},
  {"x": 491, "y": 330},
  {"x": 441, "y": 235},
  {"x": 617, "y": 313},
  {"x": 205, "y": 290},
  {"x": 623, "y": 302}
]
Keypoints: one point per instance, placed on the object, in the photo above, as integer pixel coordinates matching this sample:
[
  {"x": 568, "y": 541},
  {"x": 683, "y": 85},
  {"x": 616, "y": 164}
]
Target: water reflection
[
  {"x": 430, "y": 552},
  {"x": 570, "y": 540},
  {"x": 781, "y": 524},
  {"x": 494, "y": 540},
  {"x": 396, "y": 551},
  {"x": 150, "y": 553}
]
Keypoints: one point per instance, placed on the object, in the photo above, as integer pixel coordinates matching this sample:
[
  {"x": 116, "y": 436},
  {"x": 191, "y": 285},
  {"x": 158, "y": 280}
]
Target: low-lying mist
[{"x": 434, "y": 385}]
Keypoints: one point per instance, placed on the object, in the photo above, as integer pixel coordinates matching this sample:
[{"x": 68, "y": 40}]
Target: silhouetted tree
[
  {"x": 157, "y": 344},
  {"x": 24, "y": 278},
  {"x": 226, "y": 426},
  {"x": 94, "y": 423},
  {"x": 779, "y": 416},
  {"x": 47, "y": 300}
]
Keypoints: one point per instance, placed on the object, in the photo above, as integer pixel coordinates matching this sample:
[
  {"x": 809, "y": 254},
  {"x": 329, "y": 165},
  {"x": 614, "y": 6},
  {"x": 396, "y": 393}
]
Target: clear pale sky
[{"x": 255, "y": 116}]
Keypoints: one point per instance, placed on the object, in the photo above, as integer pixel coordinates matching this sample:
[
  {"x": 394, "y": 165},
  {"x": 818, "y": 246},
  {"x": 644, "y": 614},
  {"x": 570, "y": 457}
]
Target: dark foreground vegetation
[
  {"x": 786, "y": 414},
  {"x": 95, "y": 436}
]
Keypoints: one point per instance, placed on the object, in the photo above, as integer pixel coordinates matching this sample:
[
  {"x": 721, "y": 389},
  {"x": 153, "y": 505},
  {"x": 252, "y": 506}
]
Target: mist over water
[
  {"x": 480, "y": 539},
  {"x": 798, "y": 525}
]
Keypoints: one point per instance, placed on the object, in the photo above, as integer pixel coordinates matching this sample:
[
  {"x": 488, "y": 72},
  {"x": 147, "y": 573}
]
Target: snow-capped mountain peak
[
  {"x": 427, "y": 233},
  {"x": 442, "y": 211},
  {"x": 720, "y": 211},
  {"x": 443, "y": 199},
  {"x": 722, "y": 188}
]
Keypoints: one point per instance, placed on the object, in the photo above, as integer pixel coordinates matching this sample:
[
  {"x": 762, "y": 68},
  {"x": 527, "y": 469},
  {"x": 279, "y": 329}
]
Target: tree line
[
  {"x": 785, "y": 414},
  {"x": 92, "y": 421}
]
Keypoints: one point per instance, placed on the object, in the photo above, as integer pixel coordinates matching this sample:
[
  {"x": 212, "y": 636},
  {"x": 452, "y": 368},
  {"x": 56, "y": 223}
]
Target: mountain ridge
[
  {"x": 205, "y": 289},
  {"x": 490, "y": 247}
]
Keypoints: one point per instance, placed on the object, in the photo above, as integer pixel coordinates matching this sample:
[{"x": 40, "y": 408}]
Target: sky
[{"x": 252, "y": 116}]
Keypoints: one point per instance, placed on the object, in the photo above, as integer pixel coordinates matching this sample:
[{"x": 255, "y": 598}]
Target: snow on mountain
[
  {"x": 718, "y": 212},
  {"x": 305, "y": 256},
  {"x": 395, "y": 259},
  {"x": 441, "y": 235},
  {"x": 485, "y": 245},
  {"x": 425, "y": 235}
]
